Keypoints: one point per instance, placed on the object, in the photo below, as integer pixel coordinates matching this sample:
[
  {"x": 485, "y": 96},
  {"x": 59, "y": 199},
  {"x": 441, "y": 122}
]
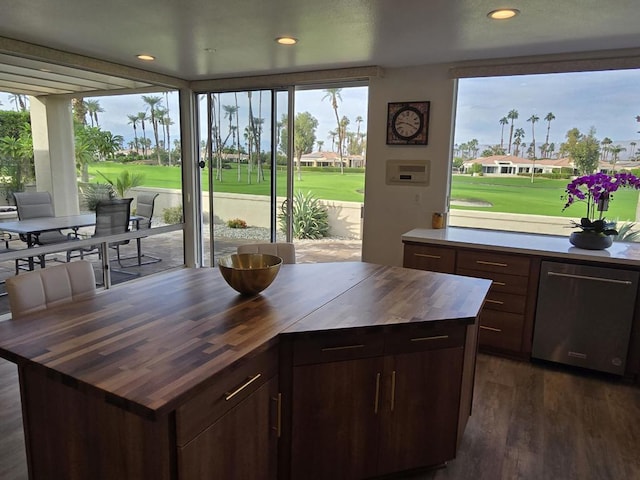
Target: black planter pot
[{"x": 590, "y": 240}]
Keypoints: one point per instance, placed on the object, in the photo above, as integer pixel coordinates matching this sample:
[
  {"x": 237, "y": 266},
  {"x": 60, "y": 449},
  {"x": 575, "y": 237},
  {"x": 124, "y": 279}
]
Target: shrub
[
  {"x": 310, "y": 219},
  {"x": 172, "y": 215},
  {"x": 236, "y": 223},
  {"x": 92, "y": 193}
]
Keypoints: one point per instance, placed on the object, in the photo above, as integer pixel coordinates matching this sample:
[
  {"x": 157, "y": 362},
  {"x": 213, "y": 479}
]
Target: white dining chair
[
  {"x": 40, "y": 289},
  {"x": 284, "y": 250}
]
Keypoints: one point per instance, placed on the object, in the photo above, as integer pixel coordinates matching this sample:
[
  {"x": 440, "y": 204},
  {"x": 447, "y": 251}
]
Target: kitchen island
[{"x": 178, "y": 376}]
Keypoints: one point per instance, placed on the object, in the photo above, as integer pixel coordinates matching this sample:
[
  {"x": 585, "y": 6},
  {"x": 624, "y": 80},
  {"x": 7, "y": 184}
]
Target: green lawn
[
  {"x": 504, "y": 194},
  {"x": 326, "y": 185},
  {"x": 542, "y": 197}
]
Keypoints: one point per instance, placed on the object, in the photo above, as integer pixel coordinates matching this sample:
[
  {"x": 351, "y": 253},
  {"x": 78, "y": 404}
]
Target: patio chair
[
  {"x": 41, "y": 289},
  {"x": 145, "y": 203},
  {"x": 284, "y": 250},
  {"x": 112, "y": 218},
  {"x": 37, "y": 205}
]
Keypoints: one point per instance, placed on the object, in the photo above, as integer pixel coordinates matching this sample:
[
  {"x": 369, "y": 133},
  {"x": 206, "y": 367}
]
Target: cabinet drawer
[
  {"x": 501, "y": 330},
  {"x": 415, "y": 338},
  {"x": 336, "y": 346},
  {"x": 434, "y": 259},
  {"x": 514, "y": 284},
  {"x": 494, "y": 262},
  {"x": 230, "y": 389},
  {"x": 505, "y": 302}
]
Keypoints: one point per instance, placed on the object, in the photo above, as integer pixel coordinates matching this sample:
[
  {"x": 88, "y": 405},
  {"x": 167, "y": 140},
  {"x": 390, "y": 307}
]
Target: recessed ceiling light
[
  {"x": 145, "y": 57},
  {"x": 287, "y": 40},
  {"x": 503, "y": 13}
]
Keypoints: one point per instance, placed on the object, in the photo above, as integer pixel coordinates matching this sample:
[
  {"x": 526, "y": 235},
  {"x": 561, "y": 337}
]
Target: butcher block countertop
[{"x": 151, "y": 345}]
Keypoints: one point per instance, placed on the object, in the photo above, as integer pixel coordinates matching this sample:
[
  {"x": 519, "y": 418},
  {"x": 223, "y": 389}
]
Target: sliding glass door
[{"x": 244, "y": 169}]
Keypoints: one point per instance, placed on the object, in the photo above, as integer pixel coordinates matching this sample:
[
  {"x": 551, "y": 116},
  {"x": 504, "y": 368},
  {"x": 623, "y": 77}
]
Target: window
[{"x": 514, "y": 146}]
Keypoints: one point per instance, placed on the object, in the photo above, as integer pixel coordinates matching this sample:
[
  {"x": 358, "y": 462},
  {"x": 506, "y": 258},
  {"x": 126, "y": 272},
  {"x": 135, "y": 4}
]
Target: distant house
[
  {"x": 510, "y": 165},
  {"x": 331, "y": 159}
]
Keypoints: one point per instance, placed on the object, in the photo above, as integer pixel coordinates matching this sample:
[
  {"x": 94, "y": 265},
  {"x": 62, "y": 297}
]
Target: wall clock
[{"x": 407, "y": 123}]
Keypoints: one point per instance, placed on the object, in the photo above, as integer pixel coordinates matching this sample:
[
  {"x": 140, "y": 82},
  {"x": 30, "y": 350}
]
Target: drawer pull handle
[
  {"x": 435, "y": 337},
  {"x": 278, "y": 427},
  {"x": 498, "y": 302},
  {"x": 502, "y": 284},
  {"x": 491, "y": 329},
  {"x": 346, "y": 347},
  {"x": 586, "y": 277},
  {"x": 426, "y": 255},
  {"x": 582, "y": 356},
  {"x": 493, "y": 264},
  {"x": 393, "y": 389},
  {"x": 250, "y": 380},
  {"x": 376, "y": 400}
]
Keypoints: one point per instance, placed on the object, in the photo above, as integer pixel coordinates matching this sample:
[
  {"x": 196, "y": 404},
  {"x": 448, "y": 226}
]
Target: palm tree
[
  {"x": 332, "y": 135},
  {"x": 615, "y": 151},
  {"x": 633, "y": 148},
  {"x": 79, "y": 108},
  {"x": 20, "y": 101},
  {"x": 606, "y": 147},
  {"x": 153, "y": 102},
  {"x": 518, "y": 136},
  {"x": 549, "y": 117},
  {"x": 333, "y": 94},
  {"x": 503, "y": 121},
  {"x": 320, "y": 143},
  {"x": 133, "y": 121},
  {"x": 359, "y": 120},
  {"x": 512, "y": 115},
  {"x": 93, "y": 108},
  {"x": 533, "y": 119},
  {"x": 142, "y": 116}
]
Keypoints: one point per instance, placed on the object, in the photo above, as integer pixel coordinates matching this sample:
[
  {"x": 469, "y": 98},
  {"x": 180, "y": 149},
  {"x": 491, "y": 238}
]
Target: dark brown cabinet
[
  {"x": 508, "y": 306},
  {"x": 377, "y": 404},
  {"x": 506, "y": 322},
  {"x": 434, "y": 259},
  {"x": 231, "y": 429}
]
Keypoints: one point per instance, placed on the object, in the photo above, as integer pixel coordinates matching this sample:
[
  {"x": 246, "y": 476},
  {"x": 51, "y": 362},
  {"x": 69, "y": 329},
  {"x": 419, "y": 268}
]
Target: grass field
[
  {"x": 503, "y": 194},
  {"x": 329, "y": 186}
]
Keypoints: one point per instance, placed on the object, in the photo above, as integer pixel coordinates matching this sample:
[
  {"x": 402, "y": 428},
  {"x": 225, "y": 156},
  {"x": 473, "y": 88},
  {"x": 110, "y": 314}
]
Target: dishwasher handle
[{"x": 587, "y": 277}]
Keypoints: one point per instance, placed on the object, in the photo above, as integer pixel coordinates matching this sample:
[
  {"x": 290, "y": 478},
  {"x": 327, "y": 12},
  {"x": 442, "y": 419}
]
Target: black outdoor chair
[
  {"x": 112, "y": 218},
  {"x": 145, "y": 203},
  {"x": 37, "y": 205}
]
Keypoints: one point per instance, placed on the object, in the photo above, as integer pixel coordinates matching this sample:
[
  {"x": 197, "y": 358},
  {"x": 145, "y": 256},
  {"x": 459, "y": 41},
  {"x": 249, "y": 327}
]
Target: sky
[
  {"x": 116, "y": 108},
  {"x": 608, "y": 101}
]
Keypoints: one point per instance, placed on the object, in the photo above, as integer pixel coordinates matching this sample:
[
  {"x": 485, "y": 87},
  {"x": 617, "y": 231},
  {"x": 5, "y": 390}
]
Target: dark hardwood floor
[
  {"x": 529, "y": 422},
  {"x": 13, "y": 460}
]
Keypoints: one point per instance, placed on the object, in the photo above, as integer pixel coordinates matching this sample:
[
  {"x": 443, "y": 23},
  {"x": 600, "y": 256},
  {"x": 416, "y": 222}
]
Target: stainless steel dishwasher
[{"x": 584, "y": 315}]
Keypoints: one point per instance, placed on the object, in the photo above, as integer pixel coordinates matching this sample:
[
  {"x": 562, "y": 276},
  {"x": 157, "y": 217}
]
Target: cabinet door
[
  {"x": 241, "y": 444},
  {"x": 419, "y": 411},
  {"x": 334, "y": 419},
  {"x": 428, "y": 257}
]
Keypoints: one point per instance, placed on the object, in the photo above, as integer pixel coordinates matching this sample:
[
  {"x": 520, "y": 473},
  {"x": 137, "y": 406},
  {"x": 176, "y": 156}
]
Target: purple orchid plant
[{"x": 596, "y": 191}]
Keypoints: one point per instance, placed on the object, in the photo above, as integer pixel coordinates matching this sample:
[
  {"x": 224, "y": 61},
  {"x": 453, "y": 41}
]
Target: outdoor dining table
[
  {"x": 32, "y": 227},
  {"x": 29, "y": 229}
]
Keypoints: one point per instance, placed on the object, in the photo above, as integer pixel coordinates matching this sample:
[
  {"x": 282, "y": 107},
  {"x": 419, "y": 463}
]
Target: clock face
[{"x": 407, "y": 123}]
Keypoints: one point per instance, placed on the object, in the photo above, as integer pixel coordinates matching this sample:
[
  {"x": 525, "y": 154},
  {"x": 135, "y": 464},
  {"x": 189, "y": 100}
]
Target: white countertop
[{"x": 625, "y": 253}]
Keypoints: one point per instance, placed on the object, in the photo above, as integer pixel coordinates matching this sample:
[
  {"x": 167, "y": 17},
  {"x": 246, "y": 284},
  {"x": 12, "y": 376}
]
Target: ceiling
[{"x": 206, "y": 39}]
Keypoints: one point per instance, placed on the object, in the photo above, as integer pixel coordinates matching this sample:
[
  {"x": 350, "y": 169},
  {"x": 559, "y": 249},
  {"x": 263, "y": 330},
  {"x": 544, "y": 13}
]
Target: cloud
[{"x": 608, "y": 101}]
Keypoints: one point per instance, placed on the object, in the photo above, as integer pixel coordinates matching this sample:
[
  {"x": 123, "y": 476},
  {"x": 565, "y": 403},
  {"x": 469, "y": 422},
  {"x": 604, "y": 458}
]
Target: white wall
[{"x": 390, "y": 210}]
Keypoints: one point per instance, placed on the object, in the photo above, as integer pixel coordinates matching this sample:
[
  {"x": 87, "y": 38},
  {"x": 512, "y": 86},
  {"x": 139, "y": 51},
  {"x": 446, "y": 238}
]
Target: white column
[{"x": 53, "y": 150}]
